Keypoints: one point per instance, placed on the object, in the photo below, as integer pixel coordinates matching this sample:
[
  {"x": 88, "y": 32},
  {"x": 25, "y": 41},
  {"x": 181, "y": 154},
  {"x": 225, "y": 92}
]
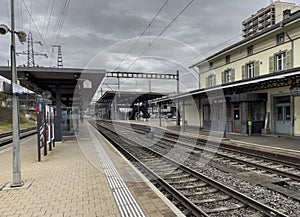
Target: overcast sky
[{"x": 99, "y": 33}]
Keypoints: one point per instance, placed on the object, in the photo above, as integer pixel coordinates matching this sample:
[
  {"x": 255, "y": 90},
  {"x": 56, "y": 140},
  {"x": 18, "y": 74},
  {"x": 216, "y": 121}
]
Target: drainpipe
[
  {"x": 292, "y": 52},
  {"x": 292, "y": 96}
]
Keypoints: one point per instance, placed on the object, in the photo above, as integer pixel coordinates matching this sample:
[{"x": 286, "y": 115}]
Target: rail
[{"x": 6, "y": 138}]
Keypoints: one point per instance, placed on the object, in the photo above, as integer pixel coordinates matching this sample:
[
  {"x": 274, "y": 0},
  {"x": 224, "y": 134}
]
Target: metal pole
[
  {"x": 183, "y": 115},
  {"x": 57, "y": 118},
  {"x": 178, "y": 107},
  {"x": 39, "y": 125},
  {"x": 17, "y": 182},
  {"x": 44, "y": 123},
  {"x": 138, "y": 110},
  {"x": 159, "y": 114}
]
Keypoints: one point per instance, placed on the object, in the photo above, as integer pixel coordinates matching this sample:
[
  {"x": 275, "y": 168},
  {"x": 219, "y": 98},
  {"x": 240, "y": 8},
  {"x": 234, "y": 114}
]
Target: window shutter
[
  {"x": 206, "y": 80},
  {"x": 243, "y": 72},
  {"x": 256, "y": 68},
  {"x": 271, "y": 64},
  {"x": 223, "y": 77},
  {"x": 214, "y": 80},
  {"x": 232, "y": 75},
  {"x": 289, "y": 59}
]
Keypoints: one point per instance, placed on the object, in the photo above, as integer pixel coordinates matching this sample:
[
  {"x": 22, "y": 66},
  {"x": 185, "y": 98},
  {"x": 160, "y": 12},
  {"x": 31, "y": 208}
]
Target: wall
[
  {"x": 264, "y": 48},
  {"x": 192, "y": 112},
  {"x": 297, "y": 116}
]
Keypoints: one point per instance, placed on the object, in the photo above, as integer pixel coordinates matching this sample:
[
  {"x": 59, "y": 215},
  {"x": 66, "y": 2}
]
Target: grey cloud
[{"x": 94, "y": 26}]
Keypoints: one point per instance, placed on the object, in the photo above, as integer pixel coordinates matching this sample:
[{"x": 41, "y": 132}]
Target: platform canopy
[
  {"x": 124, "y": 97},
  {"x": 289, "y": 77},
  {"x": 74, "y": 83}
]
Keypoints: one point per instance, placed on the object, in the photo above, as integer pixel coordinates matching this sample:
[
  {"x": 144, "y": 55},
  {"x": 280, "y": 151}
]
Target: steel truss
[
  {"x": 268, "y": 84},
  {"x": 141, "y": 75}
]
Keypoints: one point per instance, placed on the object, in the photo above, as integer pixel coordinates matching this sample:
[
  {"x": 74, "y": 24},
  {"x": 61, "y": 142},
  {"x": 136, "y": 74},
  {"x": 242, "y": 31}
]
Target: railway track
[
  {"x": 281, "y": 176},
  {"x": 6, "y": 138},
  {"x": 193, "y": 192}
]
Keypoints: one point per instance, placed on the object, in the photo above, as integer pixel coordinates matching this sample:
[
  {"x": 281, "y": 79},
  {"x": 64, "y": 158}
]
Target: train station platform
[
  {"x": 73, "y": 180},
  {"x": 277, "y": 141},
  {"x": 275, "y": 144},
  {"x": 271, "y": 141}
]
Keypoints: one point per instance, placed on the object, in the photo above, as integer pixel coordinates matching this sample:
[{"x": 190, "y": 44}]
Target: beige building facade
[{"x": 259, "y": 81}]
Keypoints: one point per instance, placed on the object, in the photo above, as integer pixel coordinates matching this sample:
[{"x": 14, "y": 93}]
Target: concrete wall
[
  {"x": 192, "y": 110},
  {"x": 297, "y": 116}
]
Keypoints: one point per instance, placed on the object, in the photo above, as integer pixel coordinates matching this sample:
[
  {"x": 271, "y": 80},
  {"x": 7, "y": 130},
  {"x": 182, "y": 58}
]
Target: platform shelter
[{"x": 65, "y": 87}]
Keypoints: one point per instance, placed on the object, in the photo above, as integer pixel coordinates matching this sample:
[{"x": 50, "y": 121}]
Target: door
[
  {"x": 236, "y": 116},
  {"x": 283, "y": 118}
]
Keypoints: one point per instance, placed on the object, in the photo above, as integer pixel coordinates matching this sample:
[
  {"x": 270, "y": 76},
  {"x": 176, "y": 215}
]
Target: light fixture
[{"x": 21, "y": 35}]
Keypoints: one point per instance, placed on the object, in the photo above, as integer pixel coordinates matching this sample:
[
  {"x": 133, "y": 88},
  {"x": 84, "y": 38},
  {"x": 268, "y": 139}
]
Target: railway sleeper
[
  {"x": 287, "y": 169},
  {"x": 212, "y": 200},
  {"x": 197, "y": 193},
  {"x": 188, "y": 187},
  {"x": 177, "y": 176},
  {"x": 184, "y": 181},
  {"x": 225, "y": 208},
  {"x": 164, "y": 170},
  {"x": 176, "y": 172}
]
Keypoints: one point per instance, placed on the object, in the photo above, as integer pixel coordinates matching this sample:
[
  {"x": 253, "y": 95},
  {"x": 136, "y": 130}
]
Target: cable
[
  {"x": 133, "y": 46},
  {"x": 174, "y": 19},
  {"x": 60, "y": 21},
  {"x": 40, "y": 35},
  {"x": 30, "y": 13},
  {"x": 36, "y": 27},
  {"x": 45, "y": 18},
  {"x": 8, "y": 13},
  {"x": 218, "y": 45},
  {"x": 49, "y": 18}
]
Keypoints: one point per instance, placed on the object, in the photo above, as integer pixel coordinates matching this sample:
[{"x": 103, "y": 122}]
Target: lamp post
[{"x": 17, "y": 182}]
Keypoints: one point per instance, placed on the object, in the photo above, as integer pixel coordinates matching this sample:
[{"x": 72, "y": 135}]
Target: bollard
[{"x": 250, "y": 127}]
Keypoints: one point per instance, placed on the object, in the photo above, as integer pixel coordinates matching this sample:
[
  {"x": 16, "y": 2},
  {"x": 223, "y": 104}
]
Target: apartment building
[
  {"x": 267, "y": 17},
  {"x": 260, "y": 79}
]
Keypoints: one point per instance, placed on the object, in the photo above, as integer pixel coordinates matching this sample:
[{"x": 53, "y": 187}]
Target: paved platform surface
[
  {"x": 290, "y": 143},
  {"x": 270, "y": 140},
  {"x": 66, "y": 183}
]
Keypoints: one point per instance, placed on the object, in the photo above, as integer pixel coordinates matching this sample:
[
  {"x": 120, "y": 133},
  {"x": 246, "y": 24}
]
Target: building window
[
  {"x": 227, "y": 59},
  {"x": 256, "y": 111},
  {"x": 227, "y": 77},
  {"x": 280, "y": 38},
  {"x": 210, "y": 81},
  {"x": 280, "y": 61},
  {"x": 250, "y": 50},
  {"x": 250, "y": 70}
]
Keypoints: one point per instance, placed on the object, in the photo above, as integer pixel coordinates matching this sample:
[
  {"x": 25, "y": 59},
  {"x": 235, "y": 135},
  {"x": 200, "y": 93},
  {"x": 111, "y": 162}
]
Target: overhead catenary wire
[
  {"x": 160, "y": 34},
  {"x": 148, "y": 26},
  {"x": 35, "y": 25},
  {"x": 45, "y": 18},
  {"x": 207, "y": 51},
  {"x": 49, "y": 19},
  {"x": 202, "y": 54},
  {"x": 60, "y": 22},
  {"x": 7, "y": 9}
]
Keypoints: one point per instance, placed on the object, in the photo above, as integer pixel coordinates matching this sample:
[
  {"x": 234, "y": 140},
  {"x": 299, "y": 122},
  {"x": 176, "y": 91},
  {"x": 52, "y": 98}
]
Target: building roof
[
  {"x": 39, "y": 79},
  {"x": 293, "y": 17},
  {"x": 284, "y": 78},
  {"x": 128, "y": 97}
]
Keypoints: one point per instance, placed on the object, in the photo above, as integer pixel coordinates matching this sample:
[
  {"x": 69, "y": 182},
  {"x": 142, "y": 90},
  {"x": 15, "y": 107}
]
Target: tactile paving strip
[{"x": 127, "y": 205}]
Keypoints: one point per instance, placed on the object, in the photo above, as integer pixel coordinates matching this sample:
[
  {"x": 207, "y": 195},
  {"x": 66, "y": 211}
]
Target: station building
[{"x": 259, "y": 77}]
